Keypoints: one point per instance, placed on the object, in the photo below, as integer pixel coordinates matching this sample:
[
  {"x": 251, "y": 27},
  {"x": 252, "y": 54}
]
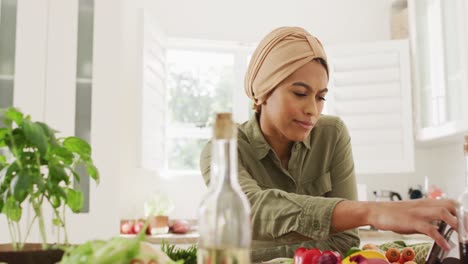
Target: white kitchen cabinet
[
  {"x": 51, "y": 56},
  {"x": 45, "y": 65},
  {"x": 47, "y": 72},
  {"x": 370, "y": 89},
  {"x": 438, "y": 49},
  {"x": 53, "y": 66}
]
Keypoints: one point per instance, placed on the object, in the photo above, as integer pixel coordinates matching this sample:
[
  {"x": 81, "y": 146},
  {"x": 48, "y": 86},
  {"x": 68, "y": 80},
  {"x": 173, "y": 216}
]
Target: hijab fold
[{"x": 278, "y": 55}]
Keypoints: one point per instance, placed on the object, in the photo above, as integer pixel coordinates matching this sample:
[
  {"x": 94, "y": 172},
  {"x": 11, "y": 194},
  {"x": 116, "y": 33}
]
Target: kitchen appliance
[
  {"x": 386, "y": 195},
  {"x": 415, "y": 193}
]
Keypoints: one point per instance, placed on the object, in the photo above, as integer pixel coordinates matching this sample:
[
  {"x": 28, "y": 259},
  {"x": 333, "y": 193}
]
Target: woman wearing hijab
[{"x": 296, "y": 165}]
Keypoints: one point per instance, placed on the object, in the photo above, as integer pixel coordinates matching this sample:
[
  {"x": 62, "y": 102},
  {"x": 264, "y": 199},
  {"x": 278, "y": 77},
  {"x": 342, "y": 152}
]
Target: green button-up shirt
[{"x": 293, "y": 207}]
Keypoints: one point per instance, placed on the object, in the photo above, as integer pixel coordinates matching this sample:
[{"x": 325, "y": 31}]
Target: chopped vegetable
[
  {"x": 189, "y": 256},
  {"x": 279, "y": 261},
  {"x": 305, "y": 256},
  {"x": 315, "y": 256},
  {"x": 352, "y": 251},
  {"x": 392, "y": 254},
  {"x": 408, "y": 254},
  {"x": 370, "y": 255},
  {"x": 117, "y": 250},
  {"x": 360, "y": 259}
]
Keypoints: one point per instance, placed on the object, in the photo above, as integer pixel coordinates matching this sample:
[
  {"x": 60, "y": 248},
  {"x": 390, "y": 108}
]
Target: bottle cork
[{"x": 224, "y": 127}]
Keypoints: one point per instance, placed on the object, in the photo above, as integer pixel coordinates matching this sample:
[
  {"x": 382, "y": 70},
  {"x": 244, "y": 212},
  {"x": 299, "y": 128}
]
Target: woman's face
[{"x": 294, "y": 107}]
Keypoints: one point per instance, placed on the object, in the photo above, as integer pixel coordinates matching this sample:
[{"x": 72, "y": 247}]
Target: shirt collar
[{"x": 258, "y": 142}]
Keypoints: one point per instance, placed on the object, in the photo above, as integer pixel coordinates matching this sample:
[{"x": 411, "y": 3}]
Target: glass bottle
[
  {"x": 224, "y": 214},
  {"x": 463, "y": 213}
]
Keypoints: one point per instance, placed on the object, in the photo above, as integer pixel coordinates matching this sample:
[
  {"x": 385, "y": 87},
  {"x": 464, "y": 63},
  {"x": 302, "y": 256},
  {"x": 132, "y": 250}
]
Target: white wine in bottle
[{"x": 224, "y": 214}]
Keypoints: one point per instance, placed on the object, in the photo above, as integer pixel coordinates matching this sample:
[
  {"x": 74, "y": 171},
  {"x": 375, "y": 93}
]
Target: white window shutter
[
  {"x": 152, "y": 98},
  {"x": 370, "y": 89}
]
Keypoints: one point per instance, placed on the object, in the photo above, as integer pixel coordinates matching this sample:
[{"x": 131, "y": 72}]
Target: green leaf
[
  {"x": 13, "y": 209},
  {"x": 3, "y": 174},
  {"x": 2, "y": 159},
  {"x": 3, "y": 135},
  {"x": 1, "y": 205},
  {"x": 49, "y": 132},
  {"x": 60, "y": 193},
  {"x": 92, "y": 171},
  {"x": 18, "y": 139},
  {"x": 21, "y": 185},
  {"x": 75, "y": 175},
  {"x": 78, "y": 146},
  {"x": 55, "y": 201},
  {"x": 14, "y": 115},
  {"x": 39, "y": 181},
  {"x": 74, "y": 200},
  {"x": 63, "y": 154},
  {"x": 58, "y": 174},
  {"x": 34, "y": 133}
]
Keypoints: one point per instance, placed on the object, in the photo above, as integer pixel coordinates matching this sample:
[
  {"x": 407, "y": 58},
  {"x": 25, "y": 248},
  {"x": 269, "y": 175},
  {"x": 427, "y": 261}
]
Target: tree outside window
[{"x": 200, "y": 84}]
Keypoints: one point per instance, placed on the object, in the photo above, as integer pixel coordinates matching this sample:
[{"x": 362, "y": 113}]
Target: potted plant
[
  {"x": 157, "y": 210},
  {"x": 37, "y": 169}
]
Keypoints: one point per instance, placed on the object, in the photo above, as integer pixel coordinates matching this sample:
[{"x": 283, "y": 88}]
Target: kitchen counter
[
  {"x": 366, "y": 235},
  {"x": 380, "y": 237},
  {"x": 188, "y": 238}
]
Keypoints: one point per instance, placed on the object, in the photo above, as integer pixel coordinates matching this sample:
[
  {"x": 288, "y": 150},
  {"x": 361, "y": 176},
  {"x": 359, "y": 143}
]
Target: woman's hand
[
  {"x": 414, "y": 216},
  {"x": 404, "y": 217}
]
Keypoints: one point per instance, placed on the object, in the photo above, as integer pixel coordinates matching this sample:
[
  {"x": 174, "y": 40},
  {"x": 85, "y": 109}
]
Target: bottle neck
[
  {"x": 224, "y": 163},
  {"x": 466, "y": 168}
]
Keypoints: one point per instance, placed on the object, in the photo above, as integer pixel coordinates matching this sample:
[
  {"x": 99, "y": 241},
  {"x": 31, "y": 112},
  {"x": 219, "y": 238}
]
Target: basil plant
[{"x": 37, "y": 169}]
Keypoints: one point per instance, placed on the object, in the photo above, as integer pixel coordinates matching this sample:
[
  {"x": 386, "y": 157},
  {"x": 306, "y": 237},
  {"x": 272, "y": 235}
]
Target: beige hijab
[{"x": 279, "y": 54}]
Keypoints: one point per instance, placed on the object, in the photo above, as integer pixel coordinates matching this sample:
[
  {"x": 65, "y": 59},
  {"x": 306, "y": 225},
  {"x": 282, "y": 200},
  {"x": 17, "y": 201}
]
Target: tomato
[
  {"x": 408, "y": 254},
  {"x": 392, "y": 254},
  {"x": 126, "y": 228},
  {"x": 139, "y": 225},
  {"x": 180, "y": 227}
]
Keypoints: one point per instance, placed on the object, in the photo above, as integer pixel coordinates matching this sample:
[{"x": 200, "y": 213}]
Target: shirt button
[{"x": 316, "y": 225}]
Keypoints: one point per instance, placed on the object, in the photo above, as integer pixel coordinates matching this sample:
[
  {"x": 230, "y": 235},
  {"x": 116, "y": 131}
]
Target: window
[{"x": 202, "y": 79}]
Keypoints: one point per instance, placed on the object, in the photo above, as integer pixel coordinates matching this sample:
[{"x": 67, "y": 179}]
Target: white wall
[
  {"x": 443, "y": 164},
  {"x": 333, "y": 21}
]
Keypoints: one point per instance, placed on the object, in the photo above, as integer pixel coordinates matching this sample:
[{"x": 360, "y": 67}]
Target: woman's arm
[
  {"x": 405, "y": 217},
  {"x": 279, "y": 215}
]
